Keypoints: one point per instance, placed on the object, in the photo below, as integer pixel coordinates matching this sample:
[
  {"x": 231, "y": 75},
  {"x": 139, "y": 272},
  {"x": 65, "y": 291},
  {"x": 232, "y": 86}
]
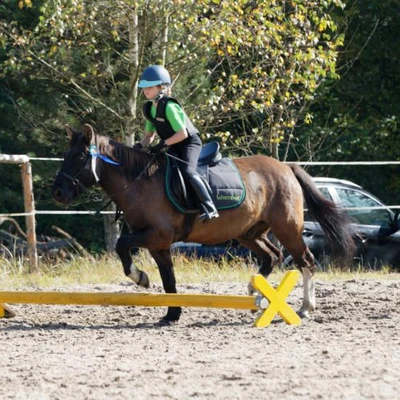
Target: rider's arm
[
  {"x": 177, "y": 137},
  {"x": 148, "y": 137},
  {"x": 176, "y": 117},
  {"x": 150, "y": 133}
]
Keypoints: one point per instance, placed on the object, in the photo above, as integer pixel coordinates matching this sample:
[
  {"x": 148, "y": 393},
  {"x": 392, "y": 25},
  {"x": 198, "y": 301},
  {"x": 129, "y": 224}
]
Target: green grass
[{"x": 15, "y": 274}]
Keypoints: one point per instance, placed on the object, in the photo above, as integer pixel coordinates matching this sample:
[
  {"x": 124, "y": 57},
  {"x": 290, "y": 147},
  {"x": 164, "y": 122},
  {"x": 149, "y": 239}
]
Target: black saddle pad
[{"x": 228, "y": 190}]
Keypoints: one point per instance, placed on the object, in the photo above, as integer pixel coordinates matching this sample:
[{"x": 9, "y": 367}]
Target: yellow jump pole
[
  {"x": 271, "y": 301},
  {"x": 131, "y": 299}
]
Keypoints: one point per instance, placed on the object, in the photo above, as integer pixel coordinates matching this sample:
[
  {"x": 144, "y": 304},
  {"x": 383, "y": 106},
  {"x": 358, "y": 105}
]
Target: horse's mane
[{"x": 133, "y": 162}]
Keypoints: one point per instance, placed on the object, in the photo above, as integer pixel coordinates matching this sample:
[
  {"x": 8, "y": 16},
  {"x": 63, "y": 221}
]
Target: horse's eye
[{"x": 82, "y": 156}]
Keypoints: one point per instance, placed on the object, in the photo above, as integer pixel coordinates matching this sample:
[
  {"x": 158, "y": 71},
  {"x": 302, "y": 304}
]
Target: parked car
[{"x": 378, "y": 228}]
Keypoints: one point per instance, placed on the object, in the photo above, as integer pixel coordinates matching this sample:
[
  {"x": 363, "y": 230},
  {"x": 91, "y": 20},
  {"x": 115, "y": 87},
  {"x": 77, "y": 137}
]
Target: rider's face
[{"x": 151, "y": 92}]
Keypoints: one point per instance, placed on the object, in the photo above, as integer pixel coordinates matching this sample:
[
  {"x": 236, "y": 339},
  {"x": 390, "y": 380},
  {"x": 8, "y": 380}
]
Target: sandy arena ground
[{"x": 349, "y": 349}]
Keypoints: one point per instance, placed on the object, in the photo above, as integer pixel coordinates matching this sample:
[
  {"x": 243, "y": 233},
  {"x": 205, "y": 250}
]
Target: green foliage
[
  {"x": 268, "y": 59},
  {"x": 265, "y": 59},
  {"x": 356, "y": 118}
]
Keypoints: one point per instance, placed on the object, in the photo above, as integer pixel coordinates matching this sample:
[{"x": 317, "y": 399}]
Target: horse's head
[{"x": 76, "y": 172}]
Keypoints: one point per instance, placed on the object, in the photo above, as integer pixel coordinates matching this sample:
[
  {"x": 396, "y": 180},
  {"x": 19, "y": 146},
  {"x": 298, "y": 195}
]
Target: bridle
[
  {"x": 74, "y": 179},
  {"x": 90, "y": 161}
]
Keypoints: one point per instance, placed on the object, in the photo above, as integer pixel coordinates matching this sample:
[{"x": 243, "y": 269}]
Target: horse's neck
[
  {"x": 114, "y": 184},
  {"x": 118, "y": 186}
]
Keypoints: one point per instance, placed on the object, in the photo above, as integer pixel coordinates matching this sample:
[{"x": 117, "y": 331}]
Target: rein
[{"x": 176, "y": 158}]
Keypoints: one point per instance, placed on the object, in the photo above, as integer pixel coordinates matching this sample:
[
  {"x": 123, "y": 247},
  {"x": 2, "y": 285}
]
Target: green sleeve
[
  {"x": 149, "y": 126},
  {"x": 175, "y": 115}
]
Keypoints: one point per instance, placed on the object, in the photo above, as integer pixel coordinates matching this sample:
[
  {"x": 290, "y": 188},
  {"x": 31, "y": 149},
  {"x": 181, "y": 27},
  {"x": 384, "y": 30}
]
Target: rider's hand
[{"x": 158, "y": 147}]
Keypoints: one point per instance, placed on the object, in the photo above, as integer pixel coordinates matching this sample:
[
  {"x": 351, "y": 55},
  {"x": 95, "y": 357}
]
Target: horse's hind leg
[
  {"x": 166, "y": 268},
  {"x": 307, "y": 266},
  {"x": 267, "y": 253},
  {"x": 292, "y": 240},
  {"x": 309, "y": 303}
]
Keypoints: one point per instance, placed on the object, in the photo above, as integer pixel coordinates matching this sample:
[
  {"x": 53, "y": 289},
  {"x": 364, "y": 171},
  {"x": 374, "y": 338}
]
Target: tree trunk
[
  {"x": 275, "y": 150},
  {"x": 134, "y": 74},
  {"x": 112, "y": 228},
  {"x": 164, "y": 39}
]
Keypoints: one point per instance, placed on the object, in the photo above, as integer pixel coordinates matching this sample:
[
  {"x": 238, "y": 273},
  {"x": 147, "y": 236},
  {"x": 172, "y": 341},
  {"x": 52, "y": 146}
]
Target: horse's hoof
[
  {"x": 166, "y": 322},
  {"x": 303, "y": 314},
  {"x": 144, "y": 280}
]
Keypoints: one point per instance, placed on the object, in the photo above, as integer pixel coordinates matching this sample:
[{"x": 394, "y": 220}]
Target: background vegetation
[{"x": 297, "y": 80}]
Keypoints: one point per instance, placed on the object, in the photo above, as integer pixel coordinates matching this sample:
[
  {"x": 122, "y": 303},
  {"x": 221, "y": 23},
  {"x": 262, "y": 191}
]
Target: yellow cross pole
[{"x": 276, "y": 298}]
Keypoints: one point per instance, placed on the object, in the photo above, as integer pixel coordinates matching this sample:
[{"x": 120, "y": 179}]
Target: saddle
[{"x": 221, "y": 176}]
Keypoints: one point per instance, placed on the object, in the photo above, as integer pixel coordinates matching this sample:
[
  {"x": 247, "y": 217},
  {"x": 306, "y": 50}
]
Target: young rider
[{"x": 165, "y": 116}]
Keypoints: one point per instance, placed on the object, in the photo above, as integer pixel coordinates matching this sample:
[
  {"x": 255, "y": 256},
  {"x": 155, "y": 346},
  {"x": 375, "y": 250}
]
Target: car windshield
[{"x": 355, "y": 201}]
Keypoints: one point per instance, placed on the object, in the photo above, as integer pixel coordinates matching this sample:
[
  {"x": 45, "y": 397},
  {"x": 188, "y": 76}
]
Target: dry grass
[{"x": 107, "y": 269}]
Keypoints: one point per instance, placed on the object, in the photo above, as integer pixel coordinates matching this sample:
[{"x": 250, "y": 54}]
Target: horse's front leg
[
  {"x": 162, "y": 257},
  {"x": 123, "y": 248},
  {"x": 166, "y": 268}
]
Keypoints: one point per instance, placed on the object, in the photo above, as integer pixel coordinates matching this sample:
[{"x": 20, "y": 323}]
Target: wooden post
[{"x": 29, "y": 203}]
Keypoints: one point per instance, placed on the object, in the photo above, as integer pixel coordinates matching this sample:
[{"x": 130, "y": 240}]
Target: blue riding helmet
[{"x": 153, "y": 76}]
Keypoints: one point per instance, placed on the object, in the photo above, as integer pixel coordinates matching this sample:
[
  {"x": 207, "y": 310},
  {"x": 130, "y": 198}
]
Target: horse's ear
[
  {"x": 69, "y": 131},
  {"x": 88, "y": 131}
]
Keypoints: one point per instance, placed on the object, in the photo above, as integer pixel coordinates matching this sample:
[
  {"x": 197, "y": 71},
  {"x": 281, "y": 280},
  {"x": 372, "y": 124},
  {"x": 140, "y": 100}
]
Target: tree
[
  {"x": 357, "y": 117},
  {"x": 268, "y": 60}
]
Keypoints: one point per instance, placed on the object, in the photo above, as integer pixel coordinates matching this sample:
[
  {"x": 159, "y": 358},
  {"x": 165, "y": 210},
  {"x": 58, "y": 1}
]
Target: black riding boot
[{"x": 200, "y": 188}]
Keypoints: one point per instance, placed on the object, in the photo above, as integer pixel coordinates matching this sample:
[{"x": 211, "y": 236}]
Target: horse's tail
[{"x": 333, "y": 220}]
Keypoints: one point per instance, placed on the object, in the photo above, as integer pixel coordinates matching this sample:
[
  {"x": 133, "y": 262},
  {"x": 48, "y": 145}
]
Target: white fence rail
[{"x": 29, "y": 203}]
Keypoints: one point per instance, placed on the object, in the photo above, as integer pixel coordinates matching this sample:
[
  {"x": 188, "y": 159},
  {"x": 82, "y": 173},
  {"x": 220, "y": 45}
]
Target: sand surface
[{"x": 349, "y": 349}]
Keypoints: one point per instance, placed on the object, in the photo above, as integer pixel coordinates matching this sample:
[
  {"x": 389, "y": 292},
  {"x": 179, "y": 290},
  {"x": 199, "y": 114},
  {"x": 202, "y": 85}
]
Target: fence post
[{"x": 29, "y": 203}]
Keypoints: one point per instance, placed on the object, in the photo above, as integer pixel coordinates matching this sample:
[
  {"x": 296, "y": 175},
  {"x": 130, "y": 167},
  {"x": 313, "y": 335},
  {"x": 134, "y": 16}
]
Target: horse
[{"x": 274, "y": 203}]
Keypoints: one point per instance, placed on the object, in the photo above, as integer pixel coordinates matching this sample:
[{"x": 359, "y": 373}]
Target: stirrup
[{"x": 206, "y": 216}]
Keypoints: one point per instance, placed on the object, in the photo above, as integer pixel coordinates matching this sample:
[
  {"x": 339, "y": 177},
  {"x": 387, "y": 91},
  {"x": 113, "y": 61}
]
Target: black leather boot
[{"x": 200, "y": 188}]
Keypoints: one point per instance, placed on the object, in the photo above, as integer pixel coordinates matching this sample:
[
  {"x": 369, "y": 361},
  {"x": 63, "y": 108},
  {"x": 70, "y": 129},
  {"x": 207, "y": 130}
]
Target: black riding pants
[{"x": 188, "y": 151}]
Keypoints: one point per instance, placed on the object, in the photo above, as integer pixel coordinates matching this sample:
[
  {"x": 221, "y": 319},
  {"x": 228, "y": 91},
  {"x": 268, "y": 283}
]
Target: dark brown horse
[{"x": 274, "y": 202}]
